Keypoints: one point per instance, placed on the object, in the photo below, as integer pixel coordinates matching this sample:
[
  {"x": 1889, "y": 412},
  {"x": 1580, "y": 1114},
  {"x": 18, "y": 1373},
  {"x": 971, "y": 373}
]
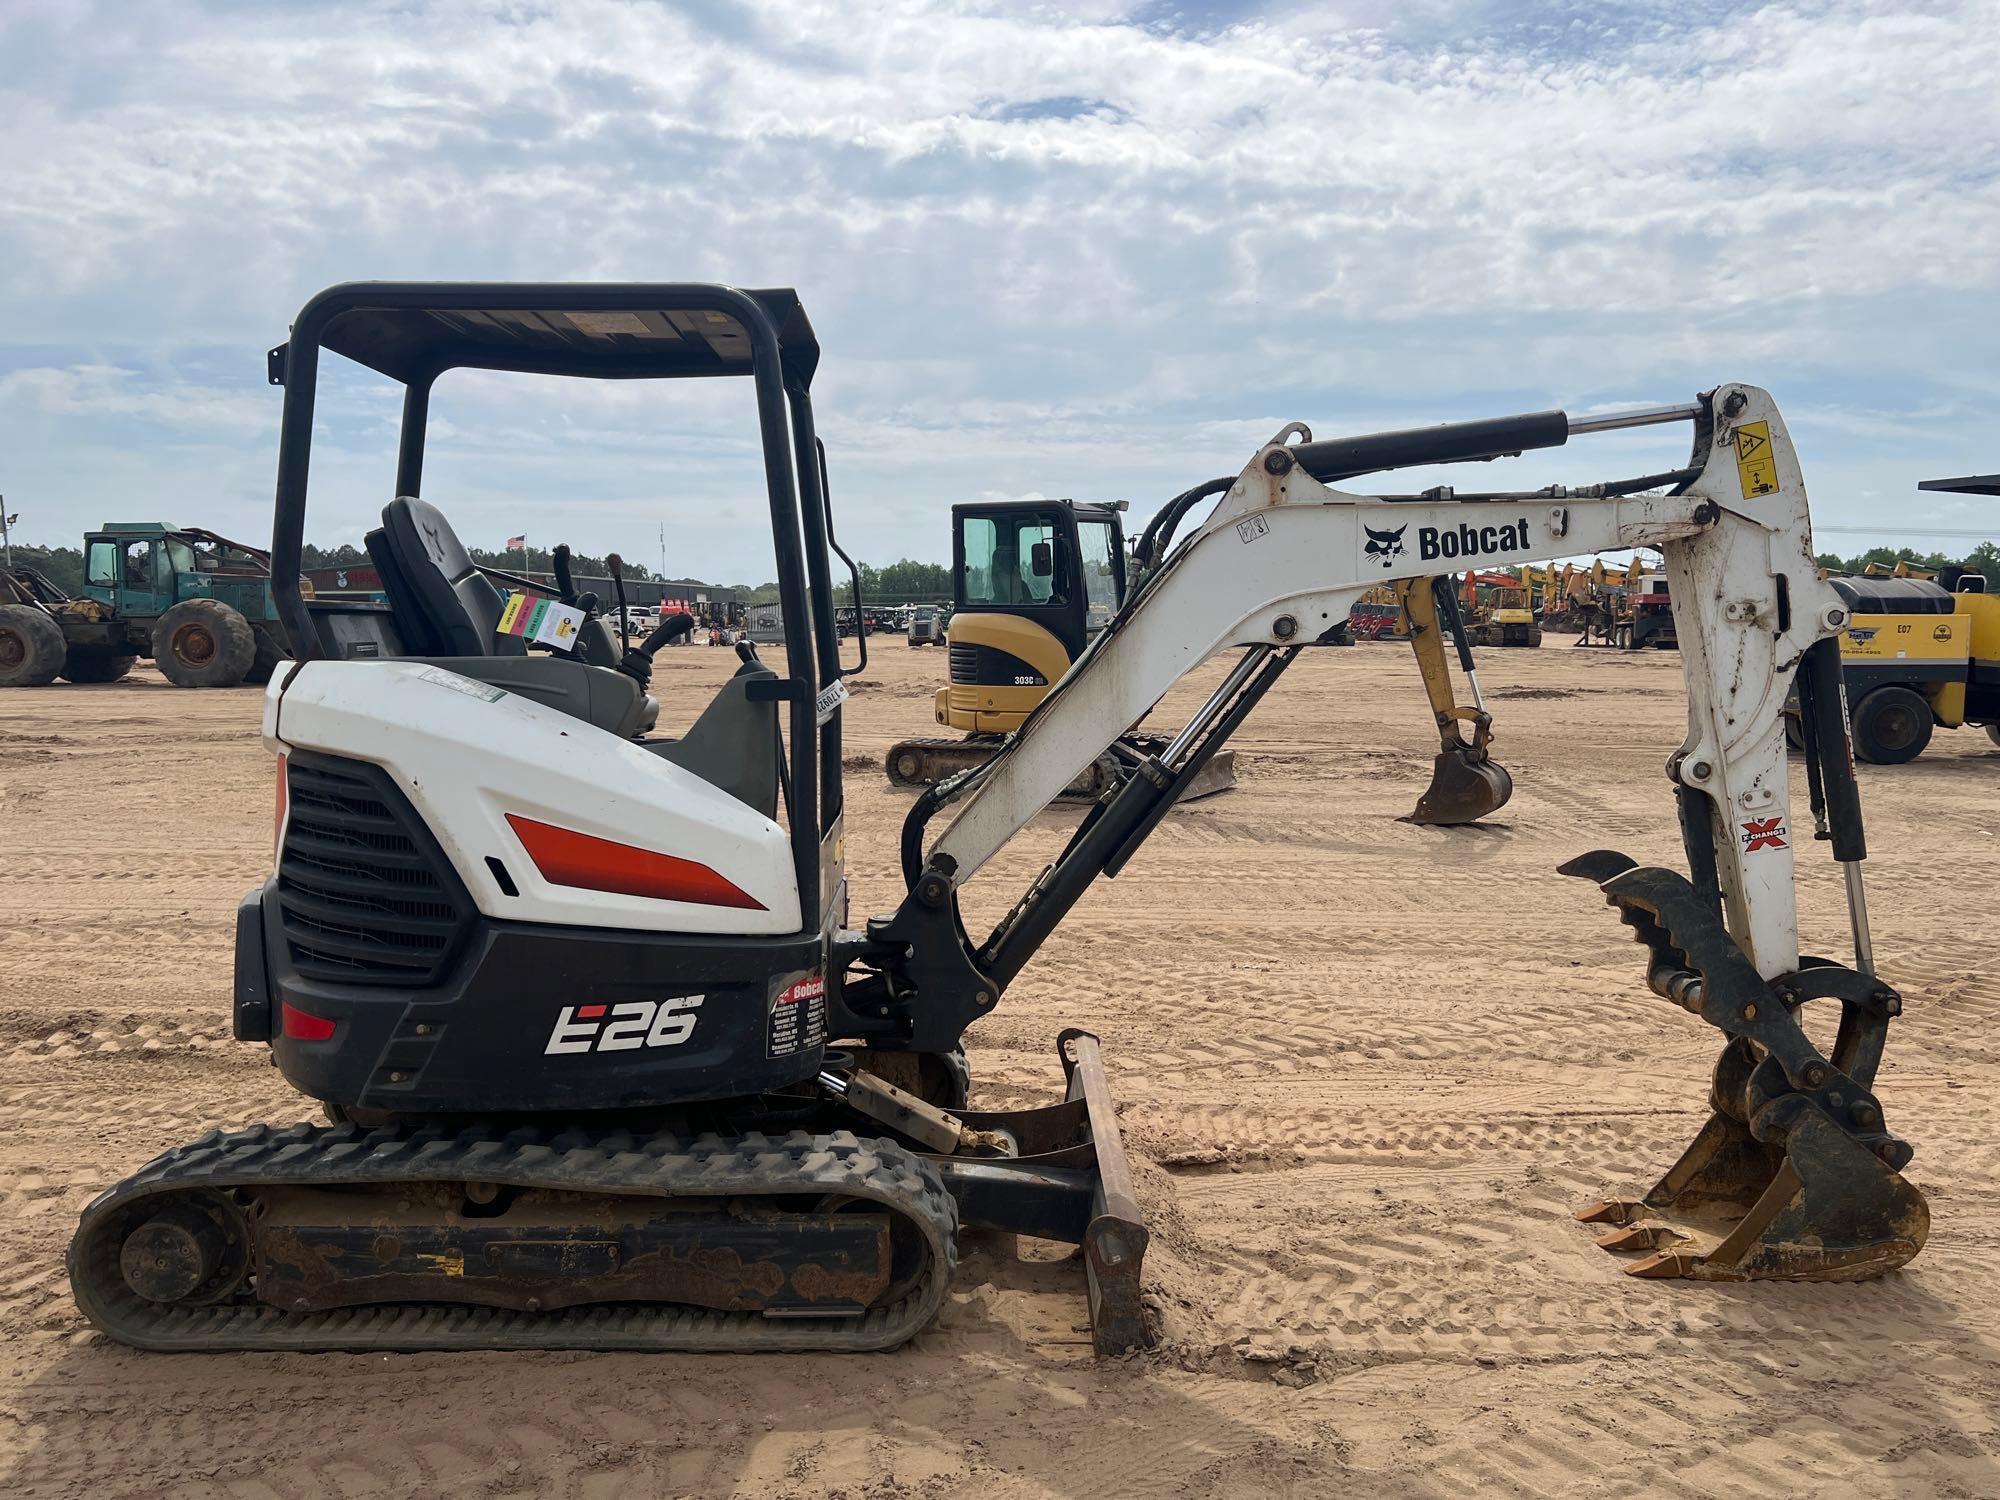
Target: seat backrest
[
  {"x": 441, "y": 585},
  {"x": 413, "y": 627}
]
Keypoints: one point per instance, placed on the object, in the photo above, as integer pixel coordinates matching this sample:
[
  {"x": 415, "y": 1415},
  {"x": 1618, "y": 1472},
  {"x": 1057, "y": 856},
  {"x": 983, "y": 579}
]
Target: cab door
[
  {"x": 101, "y": 566},
  {"x": 145, "y": 579}
]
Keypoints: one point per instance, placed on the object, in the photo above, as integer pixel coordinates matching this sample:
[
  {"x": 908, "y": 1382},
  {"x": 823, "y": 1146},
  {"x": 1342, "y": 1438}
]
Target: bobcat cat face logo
[{"x": 1387, "y": 545}]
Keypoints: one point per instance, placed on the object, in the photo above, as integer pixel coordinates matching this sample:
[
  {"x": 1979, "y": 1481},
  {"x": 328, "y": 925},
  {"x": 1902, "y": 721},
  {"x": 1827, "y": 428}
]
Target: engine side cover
[{"x": 468, "y": 755}]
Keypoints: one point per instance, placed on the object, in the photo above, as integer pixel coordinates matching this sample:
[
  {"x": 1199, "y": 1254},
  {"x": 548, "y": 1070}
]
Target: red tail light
[
  {"x": 301, "y": 1026},
  {"x": 589, "y": 863}
]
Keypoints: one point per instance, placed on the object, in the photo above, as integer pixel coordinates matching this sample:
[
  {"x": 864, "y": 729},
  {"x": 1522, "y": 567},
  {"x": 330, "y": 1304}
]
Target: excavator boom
[{"x": 1281, "y": 556}]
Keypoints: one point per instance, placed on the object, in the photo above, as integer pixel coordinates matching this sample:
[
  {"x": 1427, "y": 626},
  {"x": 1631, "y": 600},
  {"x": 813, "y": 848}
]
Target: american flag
[{"x": 515, "y": 541}]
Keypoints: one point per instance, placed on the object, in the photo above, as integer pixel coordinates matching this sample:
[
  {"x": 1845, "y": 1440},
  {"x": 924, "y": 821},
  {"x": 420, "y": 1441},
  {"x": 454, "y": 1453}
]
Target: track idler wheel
[
  {"x": 1794, "y": 1177},
  {"x": 194, "y": 1250}
]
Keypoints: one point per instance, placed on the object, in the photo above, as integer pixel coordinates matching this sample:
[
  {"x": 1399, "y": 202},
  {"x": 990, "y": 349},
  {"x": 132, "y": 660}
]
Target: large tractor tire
[
  {"x": 203, "y": 643},
  {"x": 32, "y": 648},
  {"x": 97, "y": 664},
  {"x": 269, "y": 654},
  {"x": 1891, "y": 725}
]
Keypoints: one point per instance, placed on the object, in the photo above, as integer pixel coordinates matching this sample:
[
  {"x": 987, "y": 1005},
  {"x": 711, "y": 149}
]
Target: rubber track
[{"x": 572, "y": 1161}]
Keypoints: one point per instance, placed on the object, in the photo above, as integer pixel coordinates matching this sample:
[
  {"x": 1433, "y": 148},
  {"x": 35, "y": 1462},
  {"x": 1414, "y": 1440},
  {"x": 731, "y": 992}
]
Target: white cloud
[
  {"x": 1043, "y": 252},
  {"x": 98, "y": 392}
]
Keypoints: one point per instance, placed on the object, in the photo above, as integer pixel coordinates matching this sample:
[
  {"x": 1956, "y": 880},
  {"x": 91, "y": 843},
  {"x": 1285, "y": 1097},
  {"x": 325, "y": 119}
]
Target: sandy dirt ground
[{"x": 1367, "y": 1069}]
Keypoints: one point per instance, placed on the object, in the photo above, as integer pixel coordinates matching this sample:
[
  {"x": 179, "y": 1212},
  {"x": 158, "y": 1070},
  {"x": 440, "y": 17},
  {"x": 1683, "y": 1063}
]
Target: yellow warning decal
[{"x": 1755, "y": 466}]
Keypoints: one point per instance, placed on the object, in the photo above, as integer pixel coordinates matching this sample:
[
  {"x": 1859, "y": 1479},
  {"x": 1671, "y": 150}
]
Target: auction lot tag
[{"x": 830, "y": 697}]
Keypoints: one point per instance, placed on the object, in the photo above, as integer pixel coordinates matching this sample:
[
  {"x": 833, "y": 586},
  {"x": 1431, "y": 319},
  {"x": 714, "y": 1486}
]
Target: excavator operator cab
[
  {"x": 559, "y": 825},
  {"x": 1033, "y": 581}
]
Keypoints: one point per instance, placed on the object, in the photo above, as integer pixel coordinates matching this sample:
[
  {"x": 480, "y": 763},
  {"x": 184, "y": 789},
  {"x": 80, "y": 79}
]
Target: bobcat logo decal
[{"x": 1387, "y": 545}]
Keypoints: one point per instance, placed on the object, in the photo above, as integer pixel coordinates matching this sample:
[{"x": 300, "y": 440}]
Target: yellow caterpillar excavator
[{"x": 1035, "y": 580}]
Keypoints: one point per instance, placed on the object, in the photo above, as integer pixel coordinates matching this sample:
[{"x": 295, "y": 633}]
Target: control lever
[
  {"x": 565, "y": 583},
  {"x": 617, "y": 566},
  {"x": 638, "y": 662}
]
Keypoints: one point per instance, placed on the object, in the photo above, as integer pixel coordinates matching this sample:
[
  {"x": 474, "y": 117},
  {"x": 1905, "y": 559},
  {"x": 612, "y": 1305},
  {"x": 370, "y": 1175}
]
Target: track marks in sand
[{"x": 90, "y": 1039}]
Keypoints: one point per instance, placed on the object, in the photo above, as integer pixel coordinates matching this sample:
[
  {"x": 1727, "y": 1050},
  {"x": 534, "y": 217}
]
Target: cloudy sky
[{"x": 1098, "y": 250}]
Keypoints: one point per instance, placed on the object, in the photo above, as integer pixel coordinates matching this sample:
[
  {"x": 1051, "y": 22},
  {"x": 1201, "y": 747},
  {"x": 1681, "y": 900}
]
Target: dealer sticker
[
  {"x": 798, "y": 1018},
  {"x": 485, "y": 692}
]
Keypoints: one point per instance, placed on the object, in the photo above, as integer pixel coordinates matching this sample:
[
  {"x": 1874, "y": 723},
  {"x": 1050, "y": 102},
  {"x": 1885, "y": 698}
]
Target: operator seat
[
  {"x": 449, "y": 615},
  {"x": 431, "y": 579}
]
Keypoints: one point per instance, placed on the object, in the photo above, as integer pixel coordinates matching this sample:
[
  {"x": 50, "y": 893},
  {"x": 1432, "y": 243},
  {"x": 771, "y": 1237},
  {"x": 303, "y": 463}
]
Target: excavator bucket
[
  {"x": 1794, "y": 1177},
  {"x": 1466, "y": 785}
]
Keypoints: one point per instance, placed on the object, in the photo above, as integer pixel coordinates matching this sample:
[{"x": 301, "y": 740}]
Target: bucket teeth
[
  {"x": 1652, "y": 1236},
  {"x": 1794, "y": 1177},
  {"x": 1666, "y": 1265}
]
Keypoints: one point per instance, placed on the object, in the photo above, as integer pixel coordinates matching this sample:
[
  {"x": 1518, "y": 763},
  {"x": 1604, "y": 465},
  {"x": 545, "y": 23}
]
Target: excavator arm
[
  {"x": 1466, "y": 782},
  {"x": 1796, "y": 1159}
]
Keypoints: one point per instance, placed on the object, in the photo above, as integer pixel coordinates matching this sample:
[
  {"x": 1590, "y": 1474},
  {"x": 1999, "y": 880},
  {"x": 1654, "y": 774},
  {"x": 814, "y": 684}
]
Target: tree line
[{"x": 1985, "y": 558}]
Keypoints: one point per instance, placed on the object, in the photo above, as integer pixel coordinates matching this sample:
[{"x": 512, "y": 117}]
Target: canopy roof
[{"x": 411, "y": 331}]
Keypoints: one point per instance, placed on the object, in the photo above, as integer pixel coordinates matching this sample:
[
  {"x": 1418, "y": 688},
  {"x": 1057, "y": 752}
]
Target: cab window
[
  {"x": 1011, "y": 559},
  {"x": 1100, "y": 577},
  {"x": 139, "y": 565},
  {"x": 102, "y": 570}
]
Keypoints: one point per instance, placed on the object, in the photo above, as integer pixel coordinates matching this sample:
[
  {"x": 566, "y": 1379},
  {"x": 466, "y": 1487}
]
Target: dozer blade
[
  {"x": 1219, "y": 775},
  {"x": 1466, "y": 785},
  {"x": 1794, "y": 1177},
  {"x": 1067, "y": 1180}
]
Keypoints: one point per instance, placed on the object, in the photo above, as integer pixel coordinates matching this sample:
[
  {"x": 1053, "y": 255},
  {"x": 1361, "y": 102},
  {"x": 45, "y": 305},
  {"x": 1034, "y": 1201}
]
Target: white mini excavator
[{"x": 608, "y": 1066}]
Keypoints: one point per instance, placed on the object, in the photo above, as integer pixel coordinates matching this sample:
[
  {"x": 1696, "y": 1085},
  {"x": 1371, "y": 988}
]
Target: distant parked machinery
[
  {"x": 1033, "y": 582},
  {"x": 1917, "y": 653},
  {"x": 197, "y": 603},
  {"x": 926, "y": 625},
  {"x": 1502, "y": 616}
]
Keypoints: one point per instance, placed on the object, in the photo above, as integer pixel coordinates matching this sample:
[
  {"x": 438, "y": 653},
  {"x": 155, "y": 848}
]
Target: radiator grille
[
  {"x": 365, "y": 895},
  {"x": 988, "y": 666}
]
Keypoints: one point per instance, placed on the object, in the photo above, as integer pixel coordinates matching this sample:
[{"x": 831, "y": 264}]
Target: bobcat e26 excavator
[{"x": 613, "y": 1070}]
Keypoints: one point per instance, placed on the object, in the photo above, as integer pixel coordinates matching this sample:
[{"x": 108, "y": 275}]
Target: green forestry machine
[{"x": 197, "y": 603}]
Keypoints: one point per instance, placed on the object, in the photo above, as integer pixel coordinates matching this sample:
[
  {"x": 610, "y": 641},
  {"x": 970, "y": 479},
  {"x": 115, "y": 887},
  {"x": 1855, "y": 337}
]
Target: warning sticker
[
  {"x": 1756, "y": 468},
  {"x": 798, "y": 1018}
]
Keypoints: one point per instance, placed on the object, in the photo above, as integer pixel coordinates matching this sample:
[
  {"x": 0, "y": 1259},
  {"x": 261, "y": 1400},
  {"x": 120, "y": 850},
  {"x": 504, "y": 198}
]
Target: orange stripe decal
[{"x": 566, "y": 857}]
